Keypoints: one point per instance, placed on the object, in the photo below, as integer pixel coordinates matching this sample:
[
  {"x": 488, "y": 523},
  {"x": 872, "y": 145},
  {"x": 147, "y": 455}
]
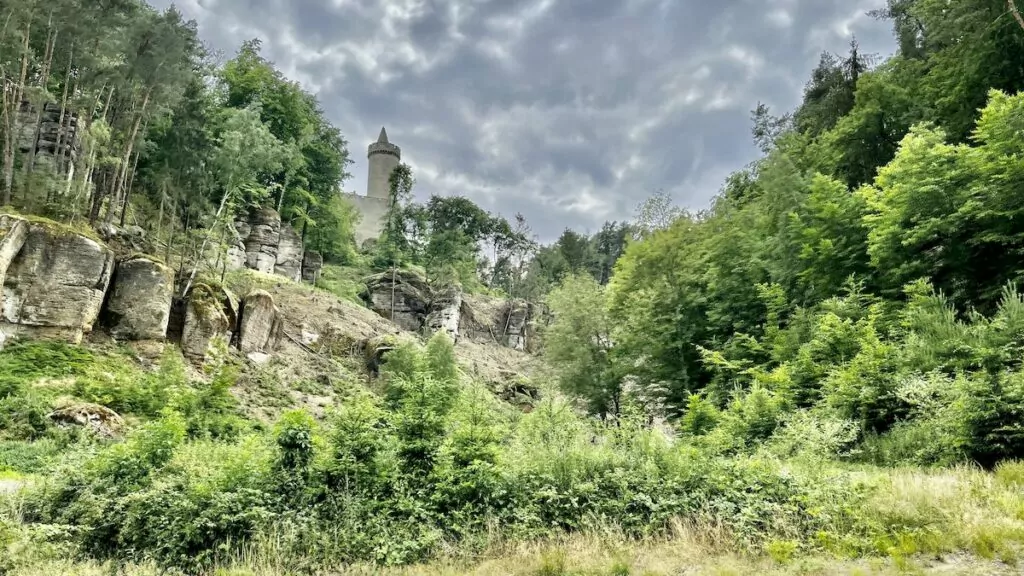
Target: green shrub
[
  {"x": 23, "y": 362},
  {"x": 210, "y": 409},
  {"x": 29, "y": 457},
  {"x": 23, "y": 416},
  {"x": 701, "y": 416}
]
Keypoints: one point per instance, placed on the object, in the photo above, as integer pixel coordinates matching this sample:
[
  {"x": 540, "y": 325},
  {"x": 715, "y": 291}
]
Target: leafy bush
[{"x": 22, "y": 362}]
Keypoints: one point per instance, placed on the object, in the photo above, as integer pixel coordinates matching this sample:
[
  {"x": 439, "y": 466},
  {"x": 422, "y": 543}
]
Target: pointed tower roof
[{"x": 383, "y": 146}]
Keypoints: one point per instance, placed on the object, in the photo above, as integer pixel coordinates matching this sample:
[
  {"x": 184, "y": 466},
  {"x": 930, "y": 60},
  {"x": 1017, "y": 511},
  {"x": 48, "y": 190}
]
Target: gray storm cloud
[{"x": 570, "y": 112}]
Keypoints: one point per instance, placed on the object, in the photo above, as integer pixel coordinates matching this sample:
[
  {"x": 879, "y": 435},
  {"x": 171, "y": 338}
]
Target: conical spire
[{"x": 383, "y": 138}]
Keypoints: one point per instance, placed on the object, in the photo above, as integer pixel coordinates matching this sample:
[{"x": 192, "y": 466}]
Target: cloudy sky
[{"x": 569, "y": 111}]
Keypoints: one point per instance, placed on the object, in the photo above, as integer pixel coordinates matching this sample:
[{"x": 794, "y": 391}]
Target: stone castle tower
[{"x": 383, "y": 157}]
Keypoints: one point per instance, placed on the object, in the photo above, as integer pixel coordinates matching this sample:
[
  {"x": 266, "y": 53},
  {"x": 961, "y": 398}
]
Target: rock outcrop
[
  {"x": 206, "y": 322},
  {"x": 312, "y": 264},
  {"x": 265, "y": 244},
  {"x": 55, "y": 285},
  {"x": 262, "y": 242},
  {"x": 289, "y": 254},
  {"x": 403, "y": 297},
  {"x": 52, "y": 140},
  {"x": 517, "y": 315},
  {"x": 235, "y": 258},
  {"x": 445, "y": 312},
  {"x": 505, "y": 322},
  {"x": 139, "y": 304},
  {"x": 260, "y": 328},
  {"x": 411, "y": 303}
]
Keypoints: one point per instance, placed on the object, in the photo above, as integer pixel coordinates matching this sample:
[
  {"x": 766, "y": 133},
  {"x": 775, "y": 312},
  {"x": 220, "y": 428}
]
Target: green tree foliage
[
  {"x": 153, "y": 114},
  {"x": 579, "y": 342}
]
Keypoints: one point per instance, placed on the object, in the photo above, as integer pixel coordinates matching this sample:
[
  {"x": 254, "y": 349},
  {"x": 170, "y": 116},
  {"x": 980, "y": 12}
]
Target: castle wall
[
  {"x": 381, "y": 167},
  {"x": 373, "y": 211}
]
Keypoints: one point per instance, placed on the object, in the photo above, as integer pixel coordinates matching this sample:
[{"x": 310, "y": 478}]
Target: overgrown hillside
[{"x": 820, "y": 373}]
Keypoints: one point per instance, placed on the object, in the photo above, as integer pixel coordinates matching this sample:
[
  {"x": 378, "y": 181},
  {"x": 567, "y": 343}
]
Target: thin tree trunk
[
  {"x": 122, "y": 174},
  {"x": 97, "y": 191},
  {"x": 12, "y": 120},
  {"x": 163, "y": 197},
  {"x": 8, "y": 143},
  {"x": 206, "y": 239},
  {"x": 58, "y": 152},
  {"x": 128, "y": 191},
  {"x": 1016, "y": 13}
]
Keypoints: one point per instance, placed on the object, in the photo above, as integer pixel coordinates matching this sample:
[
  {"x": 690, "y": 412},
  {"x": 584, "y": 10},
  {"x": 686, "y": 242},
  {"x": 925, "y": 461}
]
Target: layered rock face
[
  {"x": 265, "y": 244},
  {"x": 411, "y": 303},
  {"x": 55, "y": 284},
  {"x": 261, "y": 244},
  {"x": 289, "y": 254},
  {"x": 402, "y": 297},
  {"x": 517, "y": 317},
  {"x": 50, "y": 142},
  {"x": 445, "y": 313},
  {"x": 139, "y": 304},
  {"x": 312, "y": 264},
  {"x": 506, "y": 322}
]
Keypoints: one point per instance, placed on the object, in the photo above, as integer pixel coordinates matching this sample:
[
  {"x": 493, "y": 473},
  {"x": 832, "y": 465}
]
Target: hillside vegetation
[{"x": 820, "y": 373}]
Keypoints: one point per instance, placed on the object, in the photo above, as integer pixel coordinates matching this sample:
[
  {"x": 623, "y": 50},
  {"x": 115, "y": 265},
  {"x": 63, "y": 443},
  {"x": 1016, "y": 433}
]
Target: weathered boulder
[
  {"x": 263, "y": 239},
  {"x": 261, "y": 327},
  {"x": 54, "y": 287},
  {"x": 445, "y": 312},
  {"x": 289, "y": 254},
  {"x": 99, "y": 419},
  {"x": 139, "y": 304},
  {"x": 312, "y": 264},
  {"x": 206, "y": 322},
  {"x": 403, "y": 297}
]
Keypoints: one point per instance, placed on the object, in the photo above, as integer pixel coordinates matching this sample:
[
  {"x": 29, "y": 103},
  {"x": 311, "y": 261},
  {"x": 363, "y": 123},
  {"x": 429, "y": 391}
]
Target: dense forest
[{"x": 825, "y": 364}]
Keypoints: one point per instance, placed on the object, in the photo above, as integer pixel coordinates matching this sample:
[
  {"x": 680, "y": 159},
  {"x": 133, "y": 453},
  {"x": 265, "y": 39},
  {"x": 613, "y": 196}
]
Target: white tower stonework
[{"x": 384, "y": 157}]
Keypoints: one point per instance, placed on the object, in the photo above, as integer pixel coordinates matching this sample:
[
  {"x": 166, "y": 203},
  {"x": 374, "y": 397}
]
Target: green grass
[{"x": 345, "y": 282}]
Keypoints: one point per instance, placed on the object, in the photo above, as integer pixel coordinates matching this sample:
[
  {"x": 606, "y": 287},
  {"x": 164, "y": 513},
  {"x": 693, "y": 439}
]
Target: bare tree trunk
[
  {"x": 128, "y": 191},
  {"x": 1016, "y": 13},
  {"x": 12, "y": 119},
  {"x": 206, "y": 238},
  {"x": 121, "y": 175},
  {"x": 163, "y": 198},
  {"x": 97, "y": 192},
  {"x": 58, "y": 152}
]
